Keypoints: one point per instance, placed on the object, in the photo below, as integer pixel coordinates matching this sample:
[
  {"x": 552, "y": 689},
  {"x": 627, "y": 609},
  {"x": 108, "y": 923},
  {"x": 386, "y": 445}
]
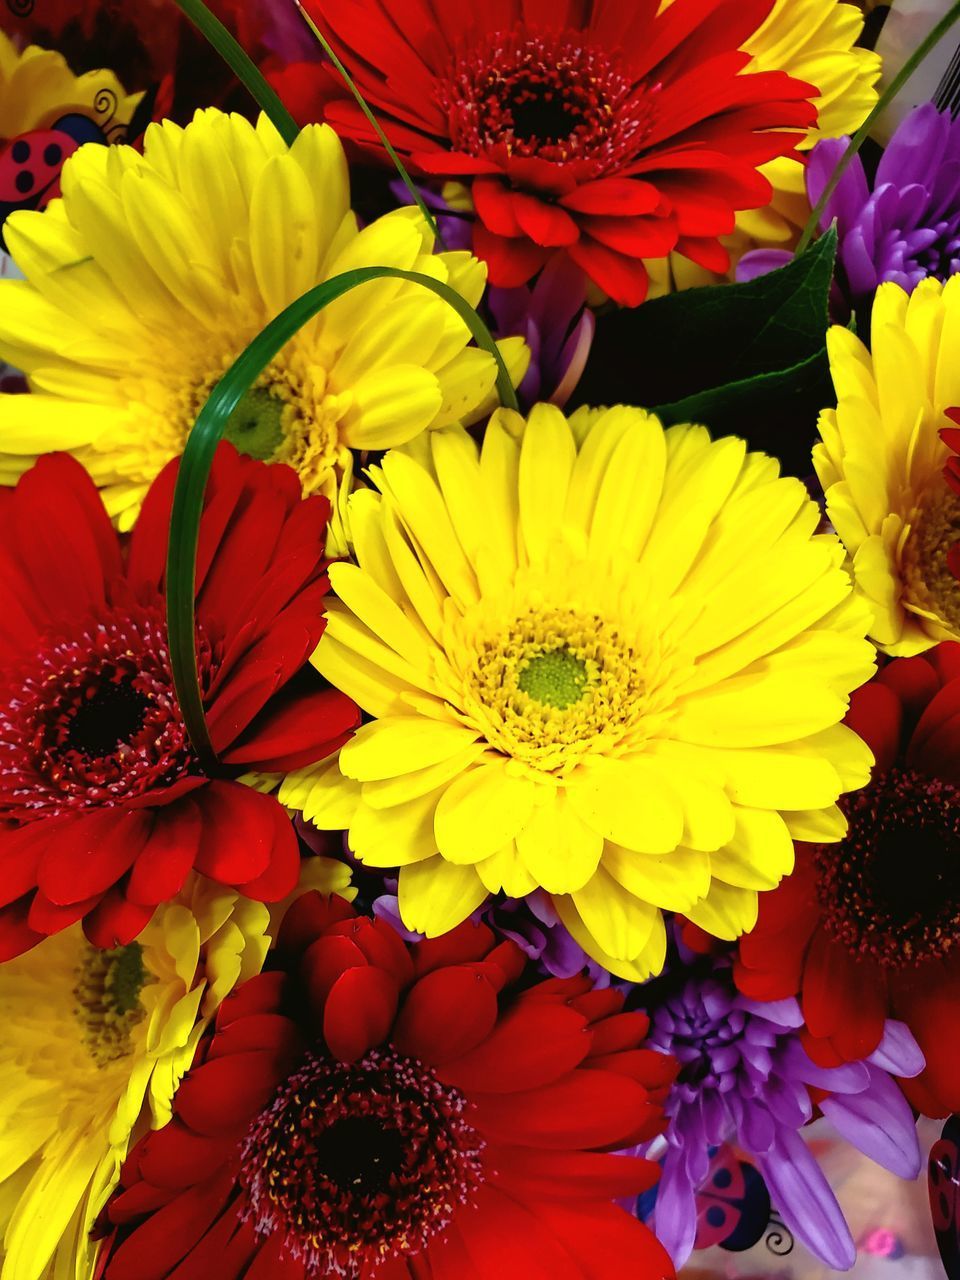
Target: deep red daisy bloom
[
  {"x": 382, "y": 1111},
  {"x": 869, "y": 928},
  {"x": 104, "y": 809},
  {"x": 603, "y": 131}
]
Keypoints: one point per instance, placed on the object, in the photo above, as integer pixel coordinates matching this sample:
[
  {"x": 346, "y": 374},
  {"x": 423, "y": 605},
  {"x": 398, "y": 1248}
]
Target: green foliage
[{"x": 745, "y": 359}]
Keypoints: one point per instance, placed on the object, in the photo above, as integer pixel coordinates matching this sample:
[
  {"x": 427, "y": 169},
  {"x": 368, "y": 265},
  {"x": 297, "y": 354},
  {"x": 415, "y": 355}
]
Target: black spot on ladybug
[
  {"x": 53, "y": 154},
  {"x": 722, "y": 1178},
  {"x": 21, "y": 152},
  {"x": 24, "y": 181},
  {"x": 716, "y": 1216}
]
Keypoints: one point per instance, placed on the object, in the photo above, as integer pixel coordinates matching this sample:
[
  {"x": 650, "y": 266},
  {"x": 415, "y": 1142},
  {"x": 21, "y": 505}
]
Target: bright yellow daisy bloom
[
  {"x": 813, "y": 41},
  {"x": 94, "y": 1045},
  {"x": 156, "y": 271},
  {"x": 881, "y": 462},
  {"x": 37, "y": 88},
  {"x": 603, "y": 659}
]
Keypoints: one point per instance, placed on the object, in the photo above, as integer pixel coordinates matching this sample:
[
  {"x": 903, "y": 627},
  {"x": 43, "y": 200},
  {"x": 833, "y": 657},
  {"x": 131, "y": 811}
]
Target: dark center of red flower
[
  {"x": 94, "y": 719},
  {"x": 356, "y": 1163},
  {"x": 545, "y": 95},
  {"x": 891, "y": 889}
]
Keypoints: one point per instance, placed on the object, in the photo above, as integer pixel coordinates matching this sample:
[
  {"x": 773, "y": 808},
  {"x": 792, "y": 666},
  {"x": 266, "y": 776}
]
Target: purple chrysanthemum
[
  {"x": 745, "y": 1076},
  {"x": 905, "y": 228}
]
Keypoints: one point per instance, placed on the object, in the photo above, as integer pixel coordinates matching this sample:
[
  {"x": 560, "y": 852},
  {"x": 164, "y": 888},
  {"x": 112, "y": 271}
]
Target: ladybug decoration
[
  {"x": 944, "y": 1187},
  {"x": 30, "y": 165},
  {"x": 733, "y": 1205}
]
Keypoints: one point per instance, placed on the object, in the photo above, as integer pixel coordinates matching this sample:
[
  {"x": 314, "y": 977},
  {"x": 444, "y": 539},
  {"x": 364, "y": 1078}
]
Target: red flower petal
[
  {"x": 842, "y": 1000},
  {"x": 532, "y": 1045},
  {"x": 168, "y": 855},
  {"x": 239, "y": 833},
  {"x": 445, "y": 1014},
  {"x": 297, "y": 733},
  {"x": 221, "y": 1097},
  {"x": 359, "y": 1012},
  {"x": 91, "y": 853},
  {"x": 115, "y": 922},
  {"x": 876, "y": 714},
  {"x": 504, "y": 1238},
  {"x": 510, "y": 262},
  {"x": 585, "y": 1109}
]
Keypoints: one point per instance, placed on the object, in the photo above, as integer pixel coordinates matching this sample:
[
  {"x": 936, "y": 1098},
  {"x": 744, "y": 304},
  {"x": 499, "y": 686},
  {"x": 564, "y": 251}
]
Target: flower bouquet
[{"x": 480, "y": 620}]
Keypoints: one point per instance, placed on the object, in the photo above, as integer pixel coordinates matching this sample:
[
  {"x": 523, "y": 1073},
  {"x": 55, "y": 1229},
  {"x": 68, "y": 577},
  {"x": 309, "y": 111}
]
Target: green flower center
[
  {"x": 107, "y": 996},
  {"x": 557, "y": 679},
  {"x": 256, "y": 425}
]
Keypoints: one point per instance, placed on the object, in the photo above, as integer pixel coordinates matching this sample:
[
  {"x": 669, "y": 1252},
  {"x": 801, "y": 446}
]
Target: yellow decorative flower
[
  {"x": 603, "y": 659},
  {"x": 156, "y": 271},
  {"x": 37, "y": 88},
  {"x": 93, "y": 1047},
  {"x": 814, "y": 41},
  {"x": 881, "y": 462}
]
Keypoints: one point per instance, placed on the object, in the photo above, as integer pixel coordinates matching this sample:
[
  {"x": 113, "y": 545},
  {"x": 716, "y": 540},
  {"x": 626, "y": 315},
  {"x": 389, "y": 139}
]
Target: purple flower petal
[
  {"x": 675, "y": 1216},
  {"x": 898, "y": 1052},
  {"x": 806, "y": 1203},
  {"x": 880, "y": 1123}
]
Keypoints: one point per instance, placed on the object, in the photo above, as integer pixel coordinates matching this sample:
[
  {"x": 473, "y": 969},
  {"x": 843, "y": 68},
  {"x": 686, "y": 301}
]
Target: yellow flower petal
[{"x": 435, "y": 896}]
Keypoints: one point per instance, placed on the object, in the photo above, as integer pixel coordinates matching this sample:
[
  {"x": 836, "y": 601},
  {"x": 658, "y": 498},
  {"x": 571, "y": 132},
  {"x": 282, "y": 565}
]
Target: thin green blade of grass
[
  {"x": 374, "y": 124},
  {"x": 242, "y": 66},
  {"x": 925, "y": 46},
  {"x": 201, "y": 447}
]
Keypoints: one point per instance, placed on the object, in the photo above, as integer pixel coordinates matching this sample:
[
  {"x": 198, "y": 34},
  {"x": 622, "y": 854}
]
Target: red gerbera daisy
[
  {"x": 382, "y": 1111},
  {"x": 104, "y": 809},
  {"x": 869, "y": 928},
  {"x": 605, "y": 131}
]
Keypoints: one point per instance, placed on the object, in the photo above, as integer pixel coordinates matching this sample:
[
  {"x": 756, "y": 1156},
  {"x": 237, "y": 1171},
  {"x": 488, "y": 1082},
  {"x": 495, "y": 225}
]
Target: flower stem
[
  {"x": 930, "y": 42},
  {"x": 242, "y": 66},
  {"x": 374, "y": 124}
]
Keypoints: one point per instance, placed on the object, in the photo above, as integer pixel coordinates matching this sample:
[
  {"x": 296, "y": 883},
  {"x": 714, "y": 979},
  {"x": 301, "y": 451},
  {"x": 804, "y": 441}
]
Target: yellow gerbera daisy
[
  {"x": 603, "y": 659},
  {"x": 94, "y": 1045},
  {"x": 154, "y": 273},
  {"x": 881, "y": 462},
  {"x": 37, "y": 88},
  {"x": 814, "y": 41}
]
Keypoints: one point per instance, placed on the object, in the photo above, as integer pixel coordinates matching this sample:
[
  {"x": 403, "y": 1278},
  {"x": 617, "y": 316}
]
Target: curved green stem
[
  {"x": 201, "y": 447},
  {"x": 242, "y": 66},
  {"x": 385, "y": 142}
]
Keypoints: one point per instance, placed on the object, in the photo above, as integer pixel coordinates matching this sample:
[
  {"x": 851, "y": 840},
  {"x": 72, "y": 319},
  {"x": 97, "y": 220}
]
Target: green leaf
[
  {"x": 242, "y": 66},
  {"x": 201, "y": 447},
  {"x": 717, "y": 355}
]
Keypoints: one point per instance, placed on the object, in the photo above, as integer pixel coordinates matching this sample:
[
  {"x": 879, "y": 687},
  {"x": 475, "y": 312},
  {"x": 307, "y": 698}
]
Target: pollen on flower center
[
  {"x": 93, "y": 718},
  {"x": 557, "y": 679},
  {"x": 929, "y": 581},
  {"x": 546, "y": 95},
  {"x": 356, "y": 1159},
  {"x": 287, "y": 416},
  {"x": 891, "y": 889},
  {"x": 107, "y": 1000},
  {"x": 256, "y": 425},
  {"x": 553, "y": 686}
]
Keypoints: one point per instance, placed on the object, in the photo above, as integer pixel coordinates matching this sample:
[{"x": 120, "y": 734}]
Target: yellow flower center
[
  {"x": 554, "y": 686},
  {"x": 107, "y": 996},
  {"x": 286, "y": 416},
  {"x": 930, "y": 583}
]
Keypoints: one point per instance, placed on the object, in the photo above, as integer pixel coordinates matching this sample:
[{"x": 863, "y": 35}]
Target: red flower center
[
  {"x": 891, "y": 888},
  {"x": 94, "y": 719},
  {"x": 548, "y": 96},
  {"x": 356, "y": 1163}
]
